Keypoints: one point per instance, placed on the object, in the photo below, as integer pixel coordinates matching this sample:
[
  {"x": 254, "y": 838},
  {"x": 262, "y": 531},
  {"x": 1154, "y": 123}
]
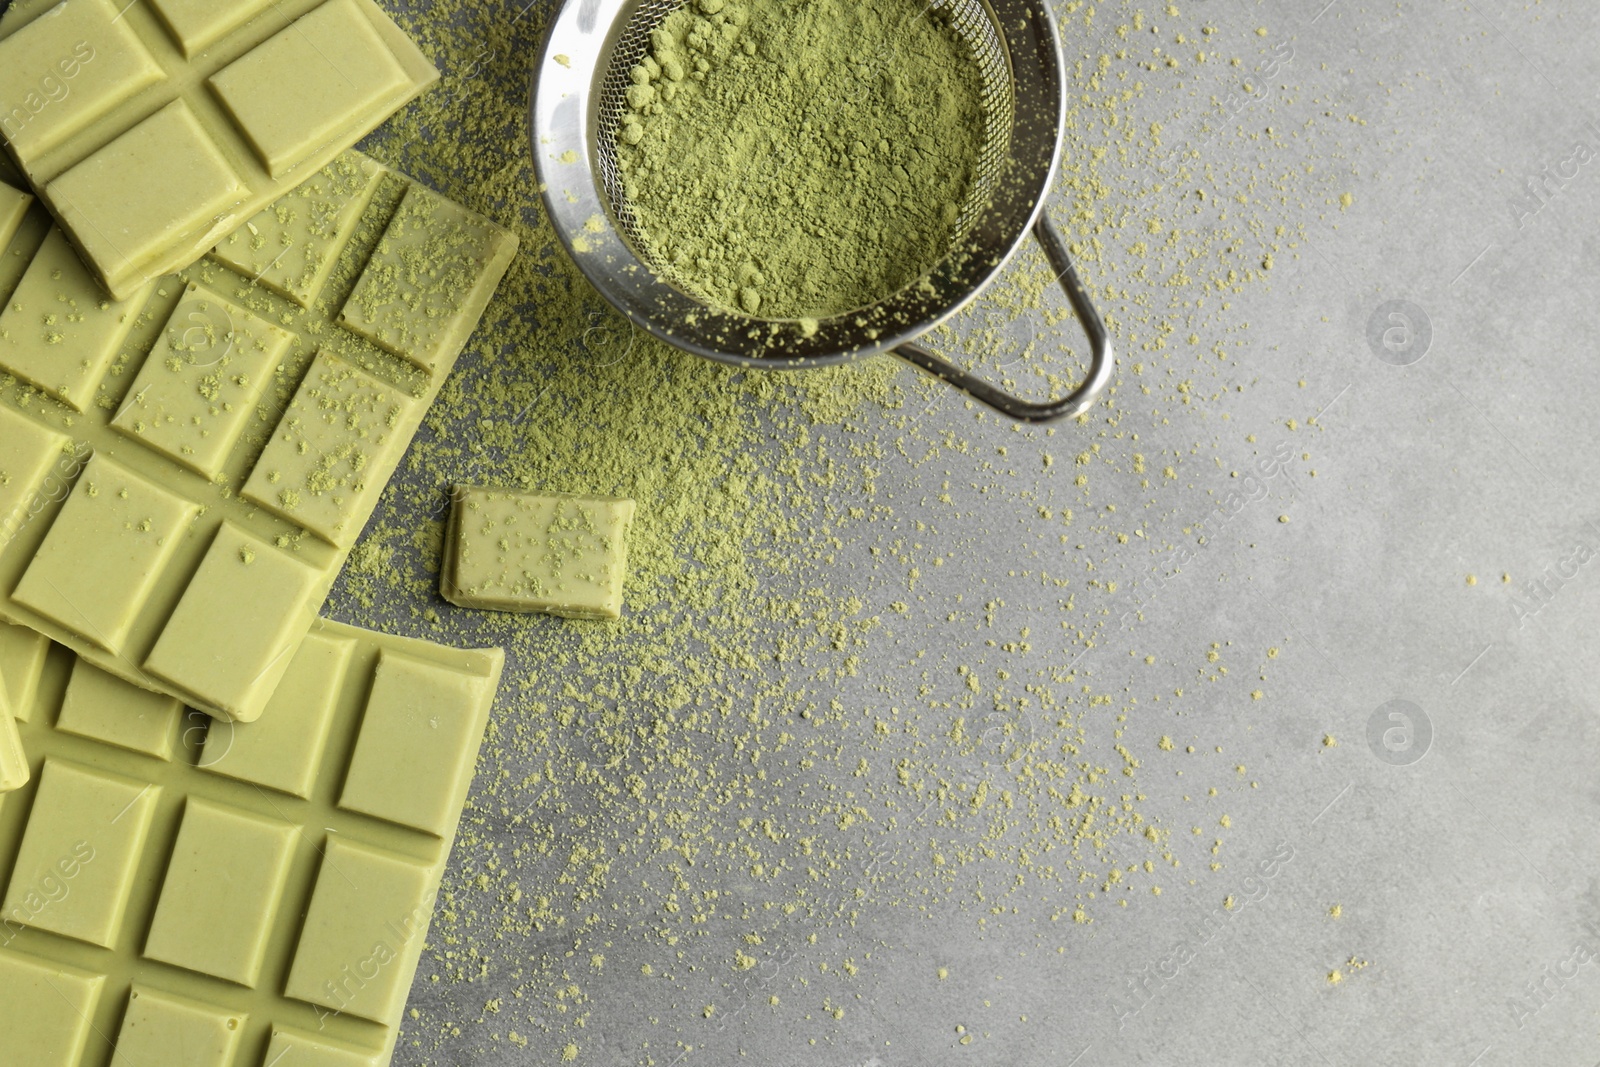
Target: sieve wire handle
[{"x": 1101, "y": 364}]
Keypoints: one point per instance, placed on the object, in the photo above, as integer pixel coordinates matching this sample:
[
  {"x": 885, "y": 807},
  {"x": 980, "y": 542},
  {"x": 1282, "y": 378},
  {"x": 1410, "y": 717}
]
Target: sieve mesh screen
[{"x": 969, "y": 20}]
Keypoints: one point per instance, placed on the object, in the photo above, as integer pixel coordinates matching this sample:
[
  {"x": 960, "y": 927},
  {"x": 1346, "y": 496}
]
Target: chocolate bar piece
[{"x": 553, "y": 553}]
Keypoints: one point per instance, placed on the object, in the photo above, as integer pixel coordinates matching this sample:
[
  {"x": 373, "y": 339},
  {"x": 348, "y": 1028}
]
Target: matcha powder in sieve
[{"x": 800, "y": 158}]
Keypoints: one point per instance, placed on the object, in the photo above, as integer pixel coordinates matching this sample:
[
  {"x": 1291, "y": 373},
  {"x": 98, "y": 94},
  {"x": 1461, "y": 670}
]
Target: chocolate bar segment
[
  {"x": 87, "y": 826},
  {"x": 224, "y": 935},
  {"x": 58, "y": 331},
  {"x": 292, "y": 246},
  {"x": 65, "y": 69},
  {"x": 13, "y": 206},
  {"x": 22, "y": 655},
  {"x": 419, "y": 296},
  {"x": 49, "y": 1009},
  {"x": 14, "y": 770},
  {"x": 339, "y": 439},
  {"x": 102, "y": 707},
  {"x": 122, "y": 213},
  {"x": 104, "y": 553},
  {"x": 341, "y": 69},
  {"x": 157, "y": 1026},
  {"x": 198, "y": 24},
  {"x": 201, "y": 383},
  {"x": 536, "y": 552}
]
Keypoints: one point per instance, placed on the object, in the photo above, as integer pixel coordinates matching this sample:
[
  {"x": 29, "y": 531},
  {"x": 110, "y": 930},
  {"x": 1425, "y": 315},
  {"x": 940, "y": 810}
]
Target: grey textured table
[{"x": 1386, "y": 483}]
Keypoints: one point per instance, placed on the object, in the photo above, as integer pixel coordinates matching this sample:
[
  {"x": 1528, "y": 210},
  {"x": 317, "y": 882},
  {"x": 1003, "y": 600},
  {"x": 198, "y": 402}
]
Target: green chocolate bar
[
  {"x": 185, "y": 890},
  {"x": 183, "y": 474},
  {"x": 21, "y": 656},
  {"x": 153, "y": 129},
  {"x": 14, "y": 773},
  {"x": 14, "y": 205},
  {"x": 527, "y": 552}
]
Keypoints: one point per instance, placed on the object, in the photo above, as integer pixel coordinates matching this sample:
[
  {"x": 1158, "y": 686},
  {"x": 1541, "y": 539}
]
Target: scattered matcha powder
[{"x": 801, "y": 158}]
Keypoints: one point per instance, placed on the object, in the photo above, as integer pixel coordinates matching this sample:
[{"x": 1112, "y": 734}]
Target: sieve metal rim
[{"x": 563, "y": 116}]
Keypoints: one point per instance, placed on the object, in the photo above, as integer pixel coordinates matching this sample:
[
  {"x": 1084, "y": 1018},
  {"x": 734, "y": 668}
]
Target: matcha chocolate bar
[
  {"x": 153, "y": 129},
  {"x": 562, "y": 555},
  {"x": 233, "y": 895},
  {"x": 182, "y": 474}
]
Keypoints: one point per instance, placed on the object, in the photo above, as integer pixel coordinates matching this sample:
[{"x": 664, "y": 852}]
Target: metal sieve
[{"x": 578, "y": 102}]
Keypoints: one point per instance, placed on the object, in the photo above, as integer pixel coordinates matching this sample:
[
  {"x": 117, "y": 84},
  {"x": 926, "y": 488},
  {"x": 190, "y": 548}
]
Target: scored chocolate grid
[
  {"x": 280, "y": 535},
  {"x": 317, "y": 822},
  {"x": 140, "y": 32}
]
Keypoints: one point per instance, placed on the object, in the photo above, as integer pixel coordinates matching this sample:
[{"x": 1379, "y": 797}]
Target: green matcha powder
[{"x": 800, "y": 158}]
